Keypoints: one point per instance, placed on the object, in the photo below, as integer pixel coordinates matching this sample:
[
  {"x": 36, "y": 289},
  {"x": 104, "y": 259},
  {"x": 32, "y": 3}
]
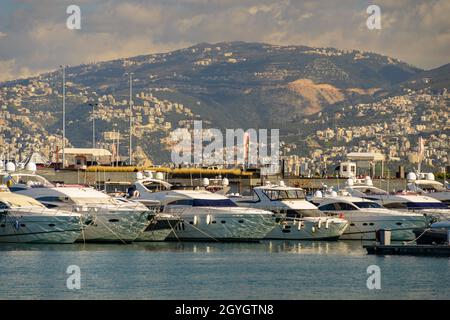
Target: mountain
[
  {"x": 227, "y": 85},
  {"x": 435, "y": 79}
]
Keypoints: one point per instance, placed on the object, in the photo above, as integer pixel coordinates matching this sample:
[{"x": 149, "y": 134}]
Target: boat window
[
  {"x": 273, "y": 194},
  {"x": 182, "y": 202},
  {"x": 214, "y": 203},
  {"x": 327, "y": 207},
  {"x": 344, "y": 206},
  {"x": 51, "y": 199},
  {"x": 367, "y": 204},
  {"x": 426, "y": 205},
  {"x": 396, "y": 205}
]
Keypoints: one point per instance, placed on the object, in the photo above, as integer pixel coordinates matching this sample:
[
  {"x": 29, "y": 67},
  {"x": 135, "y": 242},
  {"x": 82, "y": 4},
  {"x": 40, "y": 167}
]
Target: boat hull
[
  {"x": 116, "y": 225},
  {"x": 402, "y": 228},
  {"x": 222, "y": 226},
  {"x": 40, "y": 229}
]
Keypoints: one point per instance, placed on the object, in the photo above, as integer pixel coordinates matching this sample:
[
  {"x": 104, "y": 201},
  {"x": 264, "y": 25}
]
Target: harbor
[{"x": 212, "y": 151}]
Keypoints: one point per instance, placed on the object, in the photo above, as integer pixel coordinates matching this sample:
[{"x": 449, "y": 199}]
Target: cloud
[{"x": 33, "y": 37}]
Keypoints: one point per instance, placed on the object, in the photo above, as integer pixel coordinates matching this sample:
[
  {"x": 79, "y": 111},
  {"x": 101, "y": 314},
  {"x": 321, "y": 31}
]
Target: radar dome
[
  {"x": 205, "y": 182},
  {"x": 318, "y": 194},
  {"x": 333, "y": 193},
  {"x": 368, "y": 181},
  {"x": 282, "y": 184},
  {"x": 411, "y": 177},
  {"x": 10, "y": 167},
  {"x": 430, "y": 176},
  {"x": 159, "y": 176},
  {"x": 225, "y": 182},
  {"x": 349, "y": 181},
  {"x": 31, "y": 166},
  {"x": 139, "y": 176}
]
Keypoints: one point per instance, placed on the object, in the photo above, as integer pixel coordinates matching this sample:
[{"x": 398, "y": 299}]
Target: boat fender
[
  {"x": 319, "y": 224},
  {"x": 17, "y": 225},
  {"x": 208, "y": 219},
  {"x": 300, "y": 225},
  {"x": 327, "y": 223},
  {"x": 313, "y": 229},
  {"x": 195, "y": 220}
]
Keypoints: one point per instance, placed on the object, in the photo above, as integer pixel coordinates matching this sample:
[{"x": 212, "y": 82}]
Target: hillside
[{"x": 232, "y": 85}]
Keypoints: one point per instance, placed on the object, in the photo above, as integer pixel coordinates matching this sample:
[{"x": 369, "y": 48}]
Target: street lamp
[
  {"x": 131, "y": 116},
  {"x": 93, "y": 105},
  {"x": 63, "y": 69}
]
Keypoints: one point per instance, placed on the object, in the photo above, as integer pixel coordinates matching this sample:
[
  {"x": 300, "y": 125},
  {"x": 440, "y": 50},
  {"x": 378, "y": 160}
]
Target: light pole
[
  {"x": 93, "y": 105},
  {"x": 131, "y": 117},
  {"x": 63, "y": 68}
]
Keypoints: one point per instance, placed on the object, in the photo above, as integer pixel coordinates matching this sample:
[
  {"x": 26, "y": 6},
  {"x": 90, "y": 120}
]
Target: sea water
[{"x": 172, "y": 270}]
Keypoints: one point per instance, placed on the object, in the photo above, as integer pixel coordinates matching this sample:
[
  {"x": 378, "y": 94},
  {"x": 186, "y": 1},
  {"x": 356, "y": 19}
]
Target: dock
[{"x": 416, "y": 250}]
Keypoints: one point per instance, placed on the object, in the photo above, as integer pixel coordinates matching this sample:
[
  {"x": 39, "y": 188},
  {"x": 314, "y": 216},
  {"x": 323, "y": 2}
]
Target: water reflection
[{"x": 270, "y": 246}]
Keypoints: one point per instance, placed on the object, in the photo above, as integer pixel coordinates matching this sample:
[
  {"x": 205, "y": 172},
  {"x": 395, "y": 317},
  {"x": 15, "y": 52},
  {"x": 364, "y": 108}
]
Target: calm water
[{"x": 267, "y": 270}]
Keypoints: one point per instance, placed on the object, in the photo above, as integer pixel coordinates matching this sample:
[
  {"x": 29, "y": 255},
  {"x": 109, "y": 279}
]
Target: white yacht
[
  {"x": 114, "y": 221},
  {"x": 25, "y": 220},
  {"x": 204, "y": 215},
  {"x": 296, "y": 218},
  {"x": 366, "y": 216},
  {"x": 403, "y": 200},
  {"x": 427, "y": 185}
]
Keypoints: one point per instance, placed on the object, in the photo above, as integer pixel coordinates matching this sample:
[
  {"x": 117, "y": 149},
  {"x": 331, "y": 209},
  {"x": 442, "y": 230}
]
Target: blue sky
[{"x": 34, "y": 37}]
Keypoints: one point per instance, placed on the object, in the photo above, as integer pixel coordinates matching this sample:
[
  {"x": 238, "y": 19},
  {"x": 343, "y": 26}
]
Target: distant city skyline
[{"x": 34, "y": 37}]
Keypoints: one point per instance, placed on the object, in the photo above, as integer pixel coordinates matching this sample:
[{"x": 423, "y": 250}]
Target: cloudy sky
[{"x": 34, "y": 37}]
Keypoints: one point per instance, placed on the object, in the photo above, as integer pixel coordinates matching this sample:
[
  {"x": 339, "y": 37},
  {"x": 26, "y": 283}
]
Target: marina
[{"x": 224, "y": 150}]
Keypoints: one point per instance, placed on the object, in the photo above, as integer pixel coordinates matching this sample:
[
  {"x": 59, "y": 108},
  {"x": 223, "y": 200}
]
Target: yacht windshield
[
  {"x": 274, "y": 194},
  {"x": 213, "y": 203},
  {"x": 367, "y": 205},
  {"x": 204, "y": 203}
]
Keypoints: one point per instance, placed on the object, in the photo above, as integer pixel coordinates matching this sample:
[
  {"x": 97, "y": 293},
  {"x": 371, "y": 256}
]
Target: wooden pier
[{"x": 416, "y": 250}]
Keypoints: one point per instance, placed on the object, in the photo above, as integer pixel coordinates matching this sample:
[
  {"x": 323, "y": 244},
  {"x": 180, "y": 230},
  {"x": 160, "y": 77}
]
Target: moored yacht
[
  {"x": 365, "y": 217},
  {"x": 114, "y": 221},
  {"x": 296, "y": 218},
  {"x": 25, "y": 220},
  {"x": 425, "y": 183},
  {"x": 204, "y": 215},
  {"x": 403, "y": 200}
]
